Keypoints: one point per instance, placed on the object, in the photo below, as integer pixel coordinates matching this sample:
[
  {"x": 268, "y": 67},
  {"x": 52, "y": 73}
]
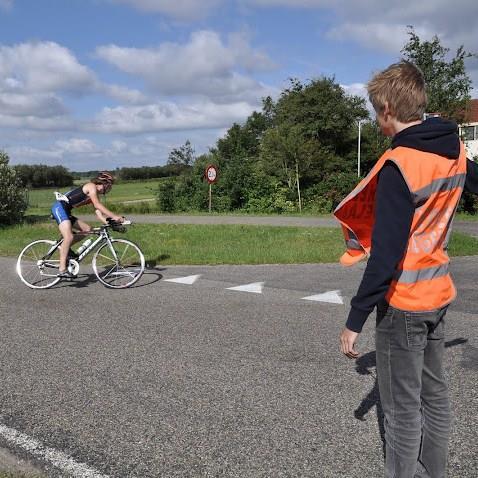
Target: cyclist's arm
[
  {"x": 104, "y": 219},
  {"x": 90, "y": 189}
]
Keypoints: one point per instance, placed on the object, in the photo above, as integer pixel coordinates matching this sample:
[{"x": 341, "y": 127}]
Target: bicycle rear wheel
[
  {"x": 37, "y": 267},
  {"x": 118, "y": 265}
]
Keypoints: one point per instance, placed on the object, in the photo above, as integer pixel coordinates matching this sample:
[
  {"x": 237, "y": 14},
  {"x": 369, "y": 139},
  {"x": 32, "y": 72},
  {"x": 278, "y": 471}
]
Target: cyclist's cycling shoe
[{"x": 66, "y": 275}]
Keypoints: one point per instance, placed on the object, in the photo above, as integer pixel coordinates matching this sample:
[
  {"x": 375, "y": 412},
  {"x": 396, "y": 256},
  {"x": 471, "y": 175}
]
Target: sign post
[{"x": 211, "y": 176}]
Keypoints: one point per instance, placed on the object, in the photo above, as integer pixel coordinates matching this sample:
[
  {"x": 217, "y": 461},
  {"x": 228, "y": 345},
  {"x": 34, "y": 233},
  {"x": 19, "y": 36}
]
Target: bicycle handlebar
[{"x": 111, "y": 224}]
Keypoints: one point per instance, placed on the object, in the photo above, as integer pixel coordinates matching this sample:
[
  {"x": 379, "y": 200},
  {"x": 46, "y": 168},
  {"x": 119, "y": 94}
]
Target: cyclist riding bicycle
[{"x": 80, "y": 196}]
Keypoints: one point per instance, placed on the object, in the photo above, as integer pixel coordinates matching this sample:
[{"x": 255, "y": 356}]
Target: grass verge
[{"x": 222, "y": 244}]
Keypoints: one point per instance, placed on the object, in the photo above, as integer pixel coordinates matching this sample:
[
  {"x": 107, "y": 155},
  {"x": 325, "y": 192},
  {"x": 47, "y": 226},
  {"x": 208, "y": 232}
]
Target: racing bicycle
[{"x": 117, "y": 263}]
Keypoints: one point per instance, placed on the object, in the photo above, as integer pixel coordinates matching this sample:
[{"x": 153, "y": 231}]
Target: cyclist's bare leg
[
  {"x": 79, "y": 228},
  {"x": 67, "y": 233}
]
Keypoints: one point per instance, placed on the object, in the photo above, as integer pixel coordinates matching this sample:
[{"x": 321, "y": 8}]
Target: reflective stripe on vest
[
  {"x": 438, "y": 185},
  {"x": 409, "y": 277},
  {"x": 422, "y": 280}
]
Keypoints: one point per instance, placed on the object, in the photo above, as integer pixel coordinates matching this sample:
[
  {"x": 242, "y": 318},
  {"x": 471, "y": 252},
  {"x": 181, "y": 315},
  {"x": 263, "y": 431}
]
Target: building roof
[{"x": 472, "y": 114}]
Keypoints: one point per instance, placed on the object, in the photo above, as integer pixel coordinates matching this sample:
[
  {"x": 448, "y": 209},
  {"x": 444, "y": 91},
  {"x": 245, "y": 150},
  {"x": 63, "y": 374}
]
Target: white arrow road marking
[
  {"x": 255, "y": 287},
  {"x": 56, "y": 458},
  {"x": 184, "y": 280},
  {"x": 332, "y": 296}
]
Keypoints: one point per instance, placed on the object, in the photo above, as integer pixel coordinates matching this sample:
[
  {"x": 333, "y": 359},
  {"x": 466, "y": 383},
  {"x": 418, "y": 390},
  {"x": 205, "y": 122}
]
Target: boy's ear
[{"x": 386, "y": 110}]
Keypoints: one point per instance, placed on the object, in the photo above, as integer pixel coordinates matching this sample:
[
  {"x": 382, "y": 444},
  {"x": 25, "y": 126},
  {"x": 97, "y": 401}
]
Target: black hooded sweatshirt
[{"x": 394, "y": 210}]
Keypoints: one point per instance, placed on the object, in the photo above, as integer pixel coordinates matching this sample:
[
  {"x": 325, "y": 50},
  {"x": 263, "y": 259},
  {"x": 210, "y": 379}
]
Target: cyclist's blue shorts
[{"x": 61, "y": 213}]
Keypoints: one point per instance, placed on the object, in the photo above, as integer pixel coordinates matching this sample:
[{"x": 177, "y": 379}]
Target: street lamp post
[{"x": 358, "y": 146}]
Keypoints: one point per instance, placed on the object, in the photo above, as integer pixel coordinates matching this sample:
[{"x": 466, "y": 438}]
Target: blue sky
[{"x": 100, "y": 84}]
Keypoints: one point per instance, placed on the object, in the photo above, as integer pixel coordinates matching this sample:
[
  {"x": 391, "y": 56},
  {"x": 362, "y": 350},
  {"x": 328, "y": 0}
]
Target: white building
[{"x": 469, "y": 130}]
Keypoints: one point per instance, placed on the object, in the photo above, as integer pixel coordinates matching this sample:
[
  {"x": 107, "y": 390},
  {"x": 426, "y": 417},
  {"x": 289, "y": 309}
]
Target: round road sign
[{"x": 211, "y": 174}]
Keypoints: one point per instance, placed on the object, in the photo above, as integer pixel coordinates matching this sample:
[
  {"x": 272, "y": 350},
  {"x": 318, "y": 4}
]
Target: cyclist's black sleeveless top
[{"x": 76, "y": 197}]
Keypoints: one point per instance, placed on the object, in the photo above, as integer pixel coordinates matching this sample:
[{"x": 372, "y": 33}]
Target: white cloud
[
  {"x": 81, "y": 154},
  {"x": 168, "y": 116},
  {"x": 187, "y": 10},
  {"x": 36, "y": 104},
  {"x": 357, "y": 89},
  {"x": 382, "y": 25},
  {"x": 6, "y": 4},
  {"x": 291, "y": 3},
  {"x": 123, "y": 94},
  {"x": 391, "y": 38},
  {"x": 205, "y": 65},
  {"x": 34, "y": 78},
  {"x": 58, "y": 150},
  {"x": 43, "y": 67},
  {"x": 31, "y": 154},
  {"x": 30, "y": 122},
  {"x": 360, "y": 89},
  {"x": 77, "y": 146}
]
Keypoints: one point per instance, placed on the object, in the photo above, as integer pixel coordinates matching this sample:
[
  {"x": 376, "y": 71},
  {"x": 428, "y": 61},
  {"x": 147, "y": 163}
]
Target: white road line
[
  {"x": 255, "y": 287},
  {"x": 332, "y": 297},
  {"x": 58, "y": 459},
  {"x": 184, "y": 280}
]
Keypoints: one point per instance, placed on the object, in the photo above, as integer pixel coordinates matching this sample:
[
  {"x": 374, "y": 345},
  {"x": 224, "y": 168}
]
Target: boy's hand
[
  {"x": 118, "y": 218},
  {"x": 347, "y": 343}
]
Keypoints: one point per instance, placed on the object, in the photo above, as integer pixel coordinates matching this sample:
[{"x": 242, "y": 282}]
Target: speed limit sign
[{"x": 211, "y": 174}]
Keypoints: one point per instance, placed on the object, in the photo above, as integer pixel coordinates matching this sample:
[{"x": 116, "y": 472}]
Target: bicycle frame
[{"x": 103, "y": 236}]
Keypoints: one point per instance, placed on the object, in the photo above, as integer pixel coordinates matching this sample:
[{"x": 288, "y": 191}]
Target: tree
[
  {"x": 312, "y": 133},
  {"x": 448, "y": 84},
  {"x": 41, "y": 176},
  {"x": 13, "y": 198},
  {"x": 373, "y": 145},
  {"x": 184, "y": 155},
  {"x": 286, "y": 148},
  {"x": 323, "y": 110}
]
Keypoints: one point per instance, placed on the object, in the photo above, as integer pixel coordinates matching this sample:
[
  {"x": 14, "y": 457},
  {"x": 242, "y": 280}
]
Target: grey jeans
[{"x": 413, "y": 391}]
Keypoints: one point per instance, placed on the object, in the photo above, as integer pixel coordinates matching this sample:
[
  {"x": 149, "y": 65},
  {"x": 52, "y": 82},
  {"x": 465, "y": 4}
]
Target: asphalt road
[{"x": 175, "y": 380}]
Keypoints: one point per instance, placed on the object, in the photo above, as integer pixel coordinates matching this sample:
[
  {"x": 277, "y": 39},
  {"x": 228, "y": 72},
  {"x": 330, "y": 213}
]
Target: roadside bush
[
  {"x": 326, "y": 195},
  {"x": 277, "y": 201},
  {"x": 167, "y": 196},
  {"x": 468, "y": 203},
  {"x": 220, "y": 203},
  {"x": 13, "y": 197},
  {"x": 318, "y": 205}
]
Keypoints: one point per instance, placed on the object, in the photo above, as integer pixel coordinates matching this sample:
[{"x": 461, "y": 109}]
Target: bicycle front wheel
[
  {"x": 118, "y": 265},
  {"x": 38, "y": 264}
]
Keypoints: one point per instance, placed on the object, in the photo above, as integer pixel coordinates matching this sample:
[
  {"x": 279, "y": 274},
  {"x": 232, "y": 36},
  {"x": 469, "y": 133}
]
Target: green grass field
[
  {"x": 40, "y": 200},
  {"x": 222, "y": 244}
]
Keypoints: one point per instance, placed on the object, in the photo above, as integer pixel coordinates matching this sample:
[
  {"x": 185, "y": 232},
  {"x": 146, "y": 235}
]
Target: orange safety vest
[{"x": 421, "y": 281}]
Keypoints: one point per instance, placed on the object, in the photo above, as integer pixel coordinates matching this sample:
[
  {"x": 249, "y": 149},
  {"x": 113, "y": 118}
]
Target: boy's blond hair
[{"x": 402, "y": 86}]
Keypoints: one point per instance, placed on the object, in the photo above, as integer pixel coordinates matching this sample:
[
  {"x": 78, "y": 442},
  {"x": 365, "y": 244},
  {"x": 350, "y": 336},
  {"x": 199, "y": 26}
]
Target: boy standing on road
[{"x": 400, "y": 215}]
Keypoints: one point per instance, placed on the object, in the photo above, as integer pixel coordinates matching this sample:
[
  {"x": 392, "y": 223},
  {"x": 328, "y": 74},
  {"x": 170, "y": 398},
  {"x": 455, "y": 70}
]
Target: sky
[{"x": 102, "y": 84}]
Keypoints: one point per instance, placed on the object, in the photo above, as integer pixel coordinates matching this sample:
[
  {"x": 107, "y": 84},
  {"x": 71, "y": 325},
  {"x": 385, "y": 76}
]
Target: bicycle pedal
[{"x": 66, "y": 275}]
